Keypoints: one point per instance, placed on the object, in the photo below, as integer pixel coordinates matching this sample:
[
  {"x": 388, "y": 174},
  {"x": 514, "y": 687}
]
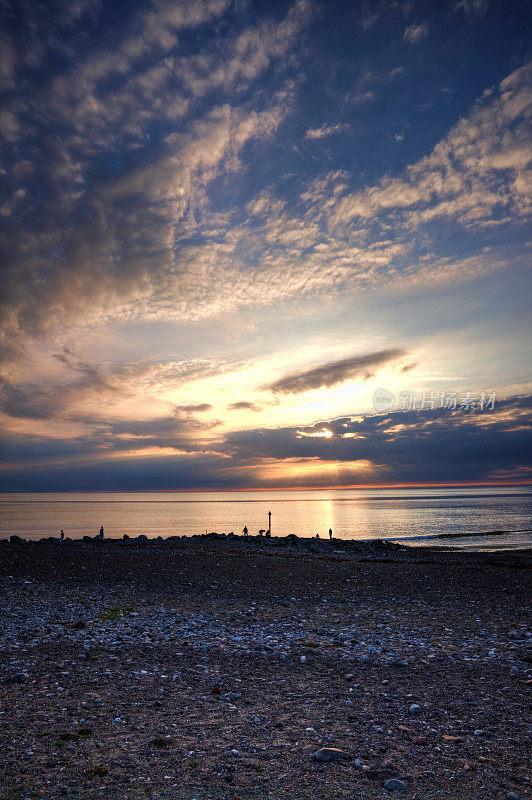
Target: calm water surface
[{"x": 411, "y": 514}]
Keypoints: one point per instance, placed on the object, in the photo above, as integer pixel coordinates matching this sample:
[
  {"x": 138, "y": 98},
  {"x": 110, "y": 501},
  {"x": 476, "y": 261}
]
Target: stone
[
  {"x": 512, "y": 796},
  {"x": 327, "y": 754},
  {"x": 395, "y": 785},
  {"x": 414, "y": 709},
  {"x": 20, "y": 677}
]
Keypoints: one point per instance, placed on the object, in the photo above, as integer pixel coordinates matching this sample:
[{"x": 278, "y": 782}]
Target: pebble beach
[{"x": 213, "y": 667}]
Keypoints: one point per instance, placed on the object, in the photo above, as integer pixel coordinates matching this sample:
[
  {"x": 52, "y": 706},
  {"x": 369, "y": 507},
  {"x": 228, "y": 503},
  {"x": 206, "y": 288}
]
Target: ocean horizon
[{"x": 414, "y": 516}]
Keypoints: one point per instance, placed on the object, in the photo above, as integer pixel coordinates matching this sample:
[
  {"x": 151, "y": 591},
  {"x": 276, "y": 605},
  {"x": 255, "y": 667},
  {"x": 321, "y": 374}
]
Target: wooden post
[{"x": 270, "y": 522}]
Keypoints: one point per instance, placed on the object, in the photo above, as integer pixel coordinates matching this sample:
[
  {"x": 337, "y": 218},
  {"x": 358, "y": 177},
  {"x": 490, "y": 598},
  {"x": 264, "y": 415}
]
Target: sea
[{"x": 466, "y": 517}]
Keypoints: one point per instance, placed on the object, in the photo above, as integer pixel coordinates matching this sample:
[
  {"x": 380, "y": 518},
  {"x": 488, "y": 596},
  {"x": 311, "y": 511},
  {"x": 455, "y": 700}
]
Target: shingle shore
[{"x": 218, "y": 668}]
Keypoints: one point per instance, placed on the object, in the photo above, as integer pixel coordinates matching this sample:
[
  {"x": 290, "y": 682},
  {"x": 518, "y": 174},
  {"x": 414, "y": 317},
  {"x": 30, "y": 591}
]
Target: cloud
[
  {"x": 146, "y": 178},
  {"x": 335, "y": 372},
  {"x": 141, "y": 238},
  {"x": 87, "y": 392},
  {"x": 109, "y": 202},
  {"x": 328, "y": 130},
  {"x": 475, "y": 174},
  {"x": 244, "y": 405},
  {"x": 200, "y": 407},
  {"x": 405, "y": 446},
  {"x": 473, "y": 8},
  {"x": 399, "y": 447},
  {"x": 416, "y": 32}
]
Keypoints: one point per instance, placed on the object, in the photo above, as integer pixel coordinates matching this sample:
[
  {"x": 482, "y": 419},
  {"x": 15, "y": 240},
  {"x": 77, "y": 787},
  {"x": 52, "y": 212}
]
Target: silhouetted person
[
  {"x": 317, "y": 536},
  {"x": 101, "y": 532},
  {"x": 62, "y": 534},
  {"x": 330, "y": 533},
  {"x": 245, "y": 531}
]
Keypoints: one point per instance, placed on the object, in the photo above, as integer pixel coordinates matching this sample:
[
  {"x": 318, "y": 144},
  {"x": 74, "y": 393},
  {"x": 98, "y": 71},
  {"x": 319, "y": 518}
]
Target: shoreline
[{"x": 291, "y": 542}]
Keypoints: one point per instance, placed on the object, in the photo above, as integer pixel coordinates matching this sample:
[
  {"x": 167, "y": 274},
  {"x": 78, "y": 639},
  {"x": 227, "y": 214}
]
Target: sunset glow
[{"x": 265, "y": 244}]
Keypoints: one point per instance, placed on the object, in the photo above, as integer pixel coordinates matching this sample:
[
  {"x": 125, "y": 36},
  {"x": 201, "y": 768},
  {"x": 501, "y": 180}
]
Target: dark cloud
[
  {"x": 244, "y": 405},
  {"x": 403, "y": 447},
  {"x": 335, "y": 372},
  {"x": 126, "y": 474},
  {"x": 57, "y": 399},
  {"x": 407, "y": 446},
  {"x": 197, "y": 408},
  {"x": 51, "y": 400}
]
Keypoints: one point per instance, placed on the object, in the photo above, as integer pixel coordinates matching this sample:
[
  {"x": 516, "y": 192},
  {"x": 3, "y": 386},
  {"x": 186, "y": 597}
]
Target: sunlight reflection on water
[{"x": 352, "y": 514}]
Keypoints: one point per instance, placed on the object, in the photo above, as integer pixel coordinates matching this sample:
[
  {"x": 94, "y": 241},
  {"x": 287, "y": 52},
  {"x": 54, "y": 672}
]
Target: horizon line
[{"x": 351, "y": 487}]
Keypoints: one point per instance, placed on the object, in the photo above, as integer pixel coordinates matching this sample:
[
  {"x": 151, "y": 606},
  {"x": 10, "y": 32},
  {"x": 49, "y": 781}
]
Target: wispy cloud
[
  {"x": 328, "y": 130},
  {"x": 244, "y": 405},
  {"x": 336, "y": 372},
  {"x": 189, "y": 188},
  {"x": 416, "y": 32},
  {"x": 473, "y": 8},
  {"x": 477, "y": 173},
  {"x": 131, "y": 209}
]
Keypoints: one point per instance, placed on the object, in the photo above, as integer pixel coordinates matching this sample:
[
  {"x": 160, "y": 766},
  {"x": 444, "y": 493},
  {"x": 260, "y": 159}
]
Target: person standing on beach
[
  {"x": 62, "y": 534},
  {"x": 101, "y": 532},
  {"x": 245, "y": 531},
  {"x": 330, "y": 533}
]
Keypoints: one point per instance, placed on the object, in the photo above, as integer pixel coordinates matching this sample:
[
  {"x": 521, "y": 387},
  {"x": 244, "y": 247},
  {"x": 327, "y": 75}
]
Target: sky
[{"x": 265, "y": 244}]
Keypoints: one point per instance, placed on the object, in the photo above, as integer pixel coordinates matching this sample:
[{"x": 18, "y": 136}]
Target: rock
[
  {"x": 16, "y": 539},
  {"x": 414, "y": 709},
  {"x": 395, "y": 785},
  {"x": 512, "y": 796},
  {"x": 19, "y": 677},
  {"x": 327, "y": 754}
]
